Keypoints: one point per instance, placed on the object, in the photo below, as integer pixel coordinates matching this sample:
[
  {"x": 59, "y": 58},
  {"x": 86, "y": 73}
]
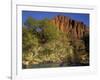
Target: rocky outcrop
[{"x": 76, "y": 28}]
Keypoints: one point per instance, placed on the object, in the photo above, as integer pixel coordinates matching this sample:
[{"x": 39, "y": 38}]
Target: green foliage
[
  {"x": 29, "y": 40},
  {"x": 30, "y": 22},
  {"x": 51, "y": 32}
]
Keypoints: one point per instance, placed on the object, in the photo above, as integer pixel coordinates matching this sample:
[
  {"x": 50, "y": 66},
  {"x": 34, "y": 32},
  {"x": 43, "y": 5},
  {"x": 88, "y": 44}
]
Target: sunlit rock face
[{"x": 76, "y": 28}]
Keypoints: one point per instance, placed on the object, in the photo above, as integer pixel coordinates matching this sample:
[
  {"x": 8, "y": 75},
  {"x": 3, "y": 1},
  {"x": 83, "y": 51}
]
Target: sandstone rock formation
[{"x": 65, "y": 24}]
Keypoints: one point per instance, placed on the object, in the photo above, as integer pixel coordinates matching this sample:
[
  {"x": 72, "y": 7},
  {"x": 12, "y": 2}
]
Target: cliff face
[{"x": 76, "y": 28}]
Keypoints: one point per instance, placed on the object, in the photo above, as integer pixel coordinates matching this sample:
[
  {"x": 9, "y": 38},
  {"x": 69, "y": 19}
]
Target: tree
[{"x": 30, "y": 22}]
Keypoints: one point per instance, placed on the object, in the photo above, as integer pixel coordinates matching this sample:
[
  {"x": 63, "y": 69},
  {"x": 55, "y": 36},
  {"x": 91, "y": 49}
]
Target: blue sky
[{"x": 41, "y": 15}]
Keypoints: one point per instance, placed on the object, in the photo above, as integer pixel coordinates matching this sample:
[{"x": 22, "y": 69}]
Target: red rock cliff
[{"x": 65, "y": 24}]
